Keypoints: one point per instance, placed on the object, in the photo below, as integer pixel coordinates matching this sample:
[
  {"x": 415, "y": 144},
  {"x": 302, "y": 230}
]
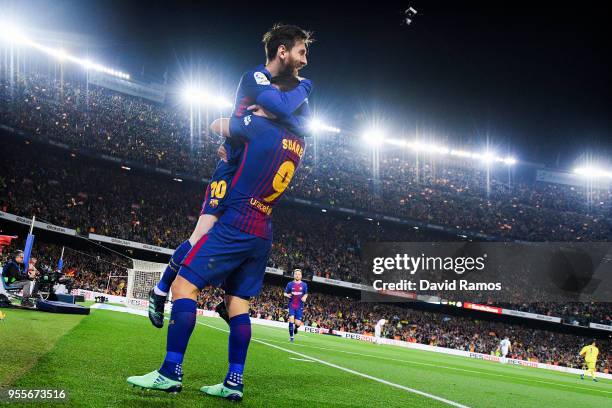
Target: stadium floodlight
[
  {"x": 428, "y": 147},
  {"x": 59, "y": 53},
  {"x": 14, "y": 35},
  {"x": 374, "y": 137},
  {"x": 488, "y": 157},
  {"x": 397, "y": 142},
  {"x": 88, "y": 64},
  {"x": 510, "y": 161},
  {"x": 592, "y": 172},
  {"x": 317, "y": 126},
  {"x": 11, "y": 33},
  {"x": 461, "y": 153},
  {"x": 195, "y": 96}
]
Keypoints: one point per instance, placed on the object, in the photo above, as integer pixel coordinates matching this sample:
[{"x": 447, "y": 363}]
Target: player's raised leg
[
  {"x": 239, "y": 338},
  {"x": 159, "y": 294}
]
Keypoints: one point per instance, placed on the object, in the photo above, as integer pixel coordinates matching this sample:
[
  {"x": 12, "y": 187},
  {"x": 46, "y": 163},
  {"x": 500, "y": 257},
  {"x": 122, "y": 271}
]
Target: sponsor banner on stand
[
  {"x": 37, "y": 224},
  {"x": 600, "y": 326},
  {"x": 528, "y": 315}
]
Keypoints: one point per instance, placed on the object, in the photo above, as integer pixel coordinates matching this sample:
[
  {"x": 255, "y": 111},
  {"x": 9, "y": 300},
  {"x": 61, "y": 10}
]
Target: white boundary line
[
  {"x": 348, "y": 370},
  {"x": 301, "y": 359}
]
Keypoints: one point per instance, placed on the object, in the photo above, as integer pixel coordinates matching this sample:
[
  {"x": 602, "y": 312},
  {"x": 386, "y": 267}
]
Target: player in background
[
  {"x": 297, "y": 293},
  {"x": 255, "y": 92},
  {"x": 590, "y": 353},
  {"x": 505, "y": 347},
  {"x": 378, "y": 329},
  {"x": 235, "y": 252}
]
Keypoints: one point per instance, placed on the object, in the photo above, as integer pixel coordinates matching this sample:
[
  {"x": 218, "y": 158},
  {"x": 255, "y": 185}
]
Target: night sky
[{"x": 531, "y": 78}]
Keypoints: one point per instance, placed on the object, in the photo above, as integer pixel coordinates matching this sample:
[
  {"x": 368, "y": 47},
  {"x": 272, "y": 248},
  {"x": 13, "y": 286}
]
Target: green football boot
[
  {"x": 156, "y": 309},
  {"x": 220, "y": 390},
  {"x": 155, "y": 381}
]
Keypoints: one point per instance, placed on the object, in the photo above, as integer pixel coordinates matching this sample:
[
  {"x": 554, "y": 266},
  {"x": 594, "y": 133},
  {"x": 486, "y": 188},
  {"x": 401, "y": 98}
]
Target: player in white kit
[
  {"x": 505, "y": 347},
  {"x": 378, "y": 329}
]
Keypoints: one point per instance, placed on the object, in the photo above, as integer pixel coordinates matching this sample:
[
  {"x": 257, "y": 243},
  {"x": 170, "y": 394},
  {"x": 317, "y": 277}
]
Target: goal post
[{"x": 142, "y": 277}]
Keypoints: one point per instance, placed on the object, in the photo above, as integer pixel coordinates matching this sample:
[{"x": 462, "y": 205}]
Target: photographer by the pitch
[{"x": 15, "y": 276}]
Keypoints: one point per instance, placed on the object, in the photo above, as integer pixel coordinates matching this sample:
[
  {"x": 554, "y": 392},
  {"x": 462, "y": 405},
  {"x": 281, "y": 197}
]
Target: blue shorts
[
  {"x": 227, "y": 257},
  {"x": 296, "y": 312}
]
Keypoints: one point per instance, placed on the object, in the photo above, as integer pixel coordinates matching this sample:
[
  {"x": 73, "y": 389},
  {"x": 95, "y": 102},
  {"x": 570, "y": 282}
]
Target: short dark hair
[
  {"x": 284, "y": 34},
  {"x": 286, "y": 83}
]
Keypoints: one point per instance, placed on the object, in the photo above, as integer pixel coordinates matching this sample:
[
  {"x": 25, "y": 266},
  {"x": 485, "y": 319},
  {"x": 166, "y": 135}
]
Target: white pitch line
[
  {"x": 447, "y": 367},
  {"x": 416, "y": 362},
  {"x": 301, "y": 359},
  {"x": 348, "y": 370}
]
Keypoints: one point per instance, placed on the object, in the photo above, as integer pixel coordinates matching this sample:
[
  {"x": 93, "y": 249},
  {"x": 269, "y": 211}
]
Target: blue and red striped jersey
[
  {"x": 271, "y": 156},
  {"x": 297, "y": 290}
]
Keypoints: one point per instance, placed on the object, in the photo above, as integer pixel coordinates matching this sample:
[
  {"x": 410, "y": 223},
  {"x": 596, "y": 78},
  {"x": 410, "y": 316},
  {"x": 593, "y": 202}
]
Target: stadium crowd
[
  {"x": 451, "y": 195},
  {"x": 79, "y": 193},
  {"x": 57, "y": 188}
]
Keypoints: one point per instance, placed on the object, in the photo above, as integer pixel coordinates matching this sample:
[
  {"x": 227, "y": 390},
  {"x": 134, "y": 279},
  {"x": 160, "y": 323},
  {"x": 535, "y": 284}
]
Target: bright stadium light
[
  {"x": 59, "y": 53},
  {"x": 316, "y": 125},
  {"x": 10, "y": 33},
  {"x": 374, "y": 137},
  {"x": 14, "y": 35},
  {"x": 428, "y": 147},
  {"x": 488, "y": 157},
  {"x": 397, "y": 142},
  {"x": 461, "y": 153},
  {"x": 195, "y": 96},
  {"x": 510, "y": 161},
  {"x": 592, "y": 172}
]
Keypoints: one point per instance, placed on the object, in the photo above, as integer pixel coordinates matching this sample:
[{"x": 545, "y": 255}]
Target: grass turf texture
[{"x": 91, "y": 356}]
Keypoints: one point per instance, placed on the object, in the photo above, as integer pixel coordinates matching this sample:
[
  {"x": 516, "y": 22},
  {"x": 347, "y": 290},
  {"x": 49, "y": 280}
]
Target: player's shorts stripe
[{"x": 192, "y": 253}]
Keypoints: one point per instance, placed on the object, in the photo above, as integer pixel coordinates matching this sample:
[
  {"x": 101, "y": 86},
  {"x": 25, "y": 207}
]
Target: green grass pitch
[{"x": 90, "y": 358}]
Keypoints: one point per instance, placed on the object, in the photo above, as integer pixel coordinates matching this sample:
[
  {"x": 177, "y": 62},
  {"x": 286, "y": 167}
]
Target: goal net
[{"x": 142, "y": 277}]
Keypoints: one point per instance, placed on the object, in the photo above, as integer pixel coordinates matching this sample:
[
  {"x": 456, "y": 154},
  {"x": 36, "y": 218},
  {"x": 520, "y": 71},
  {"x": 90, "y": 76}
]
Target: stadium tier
[
  {"x": 55, "y": 185},
  {"x": 461, "y": 196}
]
